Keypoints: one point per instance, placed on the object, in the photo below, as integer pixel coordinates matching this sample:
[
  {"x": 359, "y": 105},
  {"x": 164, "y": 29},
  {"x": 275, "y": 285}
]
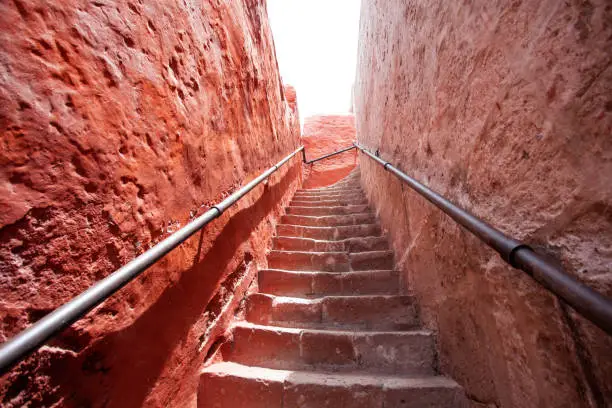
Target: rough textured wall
[
  {"x": 294, "y": 113},
  {"x": 291, "y": 97},
  {"x": 505, "y": 108},
  {"x": 120, "y": 122},
  {"x": 326, "y": 134}
]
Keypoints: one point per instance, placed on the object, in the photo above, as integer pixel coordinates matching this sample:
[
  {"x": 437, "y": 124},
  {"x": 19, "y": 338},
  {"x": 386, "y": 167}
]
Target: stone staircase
[{"x": 331, "y": 325}]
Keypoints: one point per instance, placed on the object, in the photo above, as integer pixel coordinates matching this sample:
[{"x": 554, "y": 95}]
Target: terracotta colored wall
[
  {"x": 120, "y": 122},
  {"x": 505, "y": 108},
  {"x": 326, "y": 134}
]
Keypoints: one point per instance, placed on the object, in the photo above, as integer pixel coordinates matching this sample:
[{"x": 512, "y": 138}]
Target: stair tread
[
  {"x": 329, "y": 232},
  {"x": 331, "y": 191},
  {"x": 330, "y": 240},
  {"x": 329, "y": 196},
  {"x": 329, "y": 206},
  {"x": 329, "y": 378},
  {"x": 327, "y": 227},
  {"x": 316, "y": 299},
  {"x": 328, "y": 189},
  {"x": 371, "y": 313},
  {"x": 330, "y": 273},
  {"x": 330, "y": 209},
  {"x": 386, "y": 251},
  {"x": 311, "y": 284},
  {"x": 370, "y": 214},
  {"x": 363, "y": 333},
  {"x": 329, "y": 220},
  {"x": 349, "y": 245}
]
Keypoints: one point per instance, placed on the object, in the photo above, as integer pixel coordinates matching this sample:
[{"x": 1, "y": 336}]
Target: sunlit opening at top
[{"x": 316, "y": 47}]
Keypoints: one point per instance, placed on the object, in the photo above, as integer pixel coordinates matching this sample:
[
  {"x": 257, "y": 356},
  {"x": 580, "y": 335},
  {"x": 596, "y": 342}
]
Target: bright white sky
[{"x": 316, "y": 47}]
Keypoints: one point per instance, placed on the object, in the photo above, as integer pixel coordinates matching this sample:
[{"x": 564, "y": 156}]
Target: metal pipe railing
[
  {"x": 588, "y": 302},
  {"x": 325, "y": 156},
  {"x": 30, "y": 339}
]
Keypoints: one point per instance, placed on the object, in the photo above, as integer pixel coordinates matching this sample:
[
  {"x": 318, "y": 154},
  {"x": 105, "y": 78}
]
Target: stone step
[
  {"x": 352, "y": 180},
  {"x": 330, "y": 261},
  {"x": 336, "y": 190},
  {"x": 317, "y": 200},
  {"x": 231, "y": 385},
  {"x": 311, "y": 284},
  {"x": 328, "y": 210},
  {"x": 328, "y": 203},
  {"x": 348, "y": 179},
  {"x": 329, "y": 233},
  {"x": 345, "y": 245},
  {"x": 329, "y": 196},
  {"x": 347, "y": 185},
  {"x": 367, "y": 312},
  {"x": 329, "y": 220},
  {"x": 340, "y": 190},
  {"x": 389, "y": 352}
]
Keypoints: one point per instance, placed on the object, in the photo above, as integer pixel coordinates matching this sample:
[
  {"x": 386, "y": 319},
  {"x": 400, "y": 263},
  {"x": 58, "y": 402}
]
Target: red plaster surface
[
  {"x": 120, "y": 122},
  {"x": 506, "y": 109},
  {"x": 326, "y": 134}
]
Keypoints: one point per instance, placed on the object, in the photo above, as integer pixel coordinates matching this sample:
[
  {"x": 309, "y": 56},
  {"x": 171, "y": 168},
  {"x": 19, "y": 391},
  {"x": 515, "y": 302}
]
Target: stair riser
[
  {"x": 352, "y": 181},
  {"x": 328, "y": 221},
  {"x": 319, "y": 284},
  {"x": 343, "y": 190},
  {"x": 328, "y": 234},
  {"x": 348, "y": 245},
  {"x": 340, "y": 191},
  {"x": 328, "y": 203},
  {"x": 329, "y": 196},
  {"x": 348, "y": 187},
  {"x": 355, "y": 313},
  {"x": 300, "y": 390},
  {"x": 321, "y": 201},
  {"x": 345, "y": 185},
  {"x": 331, "y": 261},
  {"x": 388, "y": 353},
  {"x": 322, "y": 211}
]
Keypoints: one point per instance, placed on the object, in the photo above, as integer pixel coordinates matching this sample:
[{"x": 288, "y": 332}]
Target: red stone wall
[
  {"x": 120, "y": 122},
  {"x": 506, "y": 109},
  {"x": 326, "y": 134}
]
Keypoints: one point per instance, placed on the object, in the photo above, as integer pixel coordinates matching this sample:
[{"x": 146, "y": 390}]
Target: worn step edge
[
  {"x": 345, "y": 186},
  {"x": 324, "y": 211},
  {"x": 372, "y": 312},
  {"x": 327, "y": 203},
  {"x": 326, "y": 197},
  {"x": 345, "y": 193},
  {"x": 350, "y": 245},
  {"x": 344, "y": 231},
  {"x": 330, "y": 261},
  {"x": 229, "y": 368},
  {"x": 354, "y": 333},
  {"x": 338, "y": 190},
  {"x": 364, "y": 214},
  {"x": 354, "y": 183},
  {"x": 329, "y": 220},
  {"x": 312, "y": 284},
  {"x": 381, "y": 351},
  {"x": 234, "y": 385}
]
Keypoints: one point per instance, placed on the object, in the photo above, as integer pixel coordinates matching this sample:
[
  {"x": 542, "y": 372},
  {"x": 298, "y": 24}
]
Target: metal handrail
[
  {"x": 588, "y": 302},
  {"x": 325, "y": 156},
  {"x": 30, "y": 339}
]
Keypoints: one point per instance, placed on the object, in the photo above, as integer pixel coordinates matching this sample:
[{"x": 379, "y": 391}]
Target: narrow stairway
[{"x": 331, "y": 326}]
